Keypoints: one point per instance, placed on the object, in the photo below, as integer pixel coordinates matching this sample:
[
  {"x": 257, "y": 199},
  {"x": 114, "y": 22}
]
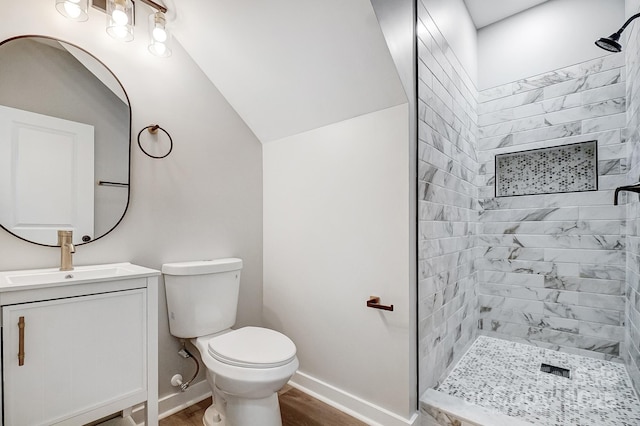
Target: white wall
[
  {"x": 336, "y": 230},
  {"x": 203, "y": 201},
  {"x": 550, "y": 36},
  {"x": 397, "y": 21},
  {"x": 454, "y": 22}
]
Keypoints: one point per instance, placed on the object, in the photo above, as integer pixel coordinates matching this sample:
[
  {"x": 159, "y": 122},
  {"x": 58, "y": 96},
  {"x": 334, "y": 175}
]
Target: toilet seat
[{"x": 252, "y": 347}]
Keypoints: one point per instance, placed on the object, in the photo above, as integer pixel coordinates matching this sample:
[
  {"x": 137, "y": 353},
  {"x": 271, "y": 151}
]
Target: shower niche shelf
[{"x": 551, "y": 170}]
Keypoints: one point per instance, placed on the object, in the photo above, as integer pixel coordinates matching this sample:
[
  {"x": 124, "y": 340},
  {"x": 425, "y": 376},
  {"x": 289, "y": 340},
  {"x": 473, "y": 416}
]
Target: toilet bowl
[{"x": 246, "y": 367}]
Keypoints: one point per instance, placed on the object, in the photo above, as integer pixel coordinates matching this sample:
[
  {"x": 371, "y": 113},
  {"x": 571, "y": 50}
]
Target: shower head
[{"x": 610, "y": 43}]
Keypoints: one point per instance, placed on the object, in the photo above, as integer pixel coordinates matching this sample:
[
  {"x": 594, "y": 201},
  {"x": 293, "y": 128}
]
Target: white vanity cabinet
[{"x": 76, "y": 351}]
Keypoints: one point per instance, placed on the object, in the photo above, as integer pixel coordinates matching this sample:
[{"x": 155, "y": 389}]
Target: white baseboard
[
  {"x": 171, "y": 404},
  {"x": 354, "y": 406}
]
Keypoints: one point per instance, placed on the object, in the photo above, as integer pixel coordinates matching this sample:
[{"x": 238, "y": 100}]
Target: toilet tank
[{"x": 202, "y": 296}]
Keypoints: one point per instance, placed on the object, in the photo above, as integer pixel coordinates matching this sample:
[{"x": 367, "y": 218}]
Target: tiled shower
[
  {"x": 553, "y": 265},
  {"x": 559, "y": 271}
]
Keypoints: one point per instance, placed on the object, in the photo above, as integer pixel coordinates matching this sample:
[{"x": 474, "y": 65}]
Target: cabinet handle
[{"x": 21, "y": 341}]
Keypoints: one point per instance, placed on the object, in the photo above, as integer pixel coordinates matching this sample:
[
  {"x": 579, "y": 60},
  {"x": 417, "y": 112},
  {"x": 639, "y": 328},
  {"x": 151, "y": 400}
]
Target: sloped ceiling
[
  {"x": 288, "y": 66},
  {"x": 486, "y": 12}
]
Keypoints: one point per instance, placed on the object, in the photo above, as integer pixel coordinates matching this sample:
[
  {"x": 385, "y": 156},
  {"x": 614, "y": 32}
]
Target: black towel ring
[{"x": 153, "y": 129}]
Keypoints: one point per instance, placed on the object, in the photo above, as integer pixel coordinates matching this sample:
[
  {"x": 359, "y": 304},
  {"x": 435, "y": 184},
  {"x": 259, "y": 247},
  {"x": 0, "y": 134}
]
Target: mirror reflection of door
[
  {"x": 53, "y": 78},
  {"x": 46, "y": 175}
]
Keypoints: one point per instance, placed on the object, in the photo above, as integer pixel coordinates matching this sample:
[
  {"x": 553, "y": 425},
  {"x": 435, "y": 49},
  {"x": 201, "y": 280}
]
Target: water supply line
[
  {"x": 630, "y": 188},
  {"x": 177, "y": 379}
]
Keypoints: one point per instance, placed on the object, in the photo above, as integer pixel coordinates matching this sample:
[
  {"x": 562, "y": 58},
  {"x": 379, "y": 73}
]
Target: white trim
[
  {"x": 151, "y": 412},
  {"x": 354, "y": 406},
  {"x": 435, "y": 403},
  {"x": 172, "y": 403}
]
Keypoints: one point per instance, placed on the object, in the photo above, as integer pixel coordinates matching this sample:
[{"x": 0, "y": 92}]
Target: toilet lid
[{"x": 253, "y": 347}]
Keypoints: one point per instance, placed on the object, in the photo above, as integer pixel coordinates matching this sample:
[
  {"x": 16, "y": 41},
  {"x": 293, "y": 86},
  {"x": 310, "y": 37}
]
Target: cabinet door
[{"x": 80, "y": 353}]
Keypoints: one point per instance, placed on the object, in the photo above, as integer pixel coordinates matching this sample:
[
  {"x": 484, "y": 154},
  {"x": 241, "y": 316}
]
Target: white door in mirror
[{"x": 46, "y": 175}]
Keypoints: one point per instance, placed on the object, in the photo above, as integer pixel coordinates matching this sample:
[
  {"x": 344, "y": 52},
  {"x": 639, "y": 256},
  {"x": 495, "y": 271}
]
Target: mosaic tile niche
[{"x": 558, "y": 169}]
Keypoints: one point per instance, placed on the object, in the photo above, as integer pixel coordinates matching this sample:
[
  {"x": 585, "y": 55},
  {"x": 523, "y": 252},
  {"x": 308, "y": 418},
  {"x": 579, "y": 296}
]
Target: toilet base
[
  {"x": 249, "y": 412},
  {"x": 212, "y": 417}
]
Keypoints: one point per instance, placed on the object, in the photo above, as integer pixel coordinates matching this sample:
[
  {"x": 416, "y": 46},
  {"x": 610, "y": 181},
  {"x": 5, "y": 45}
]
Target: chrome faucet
[{"x": 65, "y": 241}]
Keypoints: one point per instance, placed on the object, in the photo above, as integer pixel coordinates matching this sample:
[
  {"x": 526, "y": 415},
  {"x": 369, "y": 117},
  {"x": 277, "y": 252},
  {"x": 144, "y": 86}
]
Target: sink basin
[
  {"x": 49, "y": 277},
  {"x": 60, "y": 276}
]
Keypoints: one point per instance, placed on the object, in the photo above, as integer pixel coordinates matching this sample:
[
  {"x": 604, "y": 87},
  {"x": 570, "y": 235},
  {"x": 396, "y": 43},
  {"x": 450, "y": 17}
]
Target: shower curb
[{"x": 437, "y": 408}]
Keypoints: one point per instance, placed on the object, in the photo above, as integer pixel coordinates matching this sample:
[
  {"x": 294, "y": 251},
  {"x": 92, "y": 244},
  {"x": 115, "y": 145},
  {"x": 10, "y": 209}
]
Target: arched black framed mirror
[{"x": 65, "y": 142}]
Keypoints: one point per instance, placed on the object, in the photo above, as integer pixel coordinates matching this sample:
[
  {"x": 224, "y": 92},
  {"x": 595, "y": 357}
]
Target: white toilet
[{"x": 245, "y": 367}]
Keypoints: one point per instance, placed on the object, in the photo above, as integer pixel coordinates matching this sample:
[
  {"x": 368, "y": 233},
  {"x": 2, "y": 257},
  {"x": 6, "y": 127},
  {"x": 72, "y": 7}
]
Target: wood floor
[{"x": 297, "y": 408}]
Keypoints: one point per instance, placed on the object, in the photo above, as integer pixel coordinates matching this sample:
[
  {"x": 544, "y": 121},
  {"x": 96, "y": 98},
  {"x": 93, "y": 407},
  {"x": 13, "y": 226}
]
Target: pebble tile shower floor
[{"x": 505, "y": 376}]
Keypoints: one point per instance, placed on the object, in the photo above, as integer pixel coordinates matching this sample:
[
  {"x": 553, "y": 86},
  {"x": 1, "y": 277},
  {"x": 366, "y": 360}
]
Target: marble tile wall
[
  {"x": 447, "y": 203},
  {"x": 632, "y": 135},
  {"x": 552, "y": 268}
]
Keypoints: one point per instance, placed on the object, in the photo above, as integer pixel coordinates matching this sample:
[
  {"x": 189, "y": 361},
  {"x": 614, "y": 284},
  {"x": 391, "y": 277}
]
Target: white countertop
[{"x": 30, "y": 279}]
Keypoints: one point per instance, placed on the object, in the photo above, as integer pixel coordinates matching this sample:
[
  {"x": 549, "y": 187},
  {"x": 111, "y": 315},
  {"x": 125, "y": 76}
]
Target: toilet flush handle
[{"x": 374, "y": 302}]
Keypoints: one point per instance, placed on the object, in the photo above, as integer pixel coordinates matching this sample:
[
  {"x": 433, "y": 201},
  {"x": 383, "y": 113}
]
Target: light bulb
[
  {"x": 159, "y": 34},
  {"x": 160, "y": 49},
  {"x": 119, "y": 31},
  {"x": 119, "y": 16},
  {"x": 73, "y": 9}
]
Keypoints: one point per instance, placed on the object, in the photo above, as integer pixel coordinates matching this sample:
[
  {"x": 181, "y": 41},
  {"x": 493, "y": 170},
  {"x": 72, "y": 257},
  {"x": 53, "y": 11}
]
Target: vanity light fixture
[
  {"x": 611, "y": 43},
  {"x": 159, "y": 35},
  {"x": 121, "y": 20},
  {"x": 76, "y": 10}
]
